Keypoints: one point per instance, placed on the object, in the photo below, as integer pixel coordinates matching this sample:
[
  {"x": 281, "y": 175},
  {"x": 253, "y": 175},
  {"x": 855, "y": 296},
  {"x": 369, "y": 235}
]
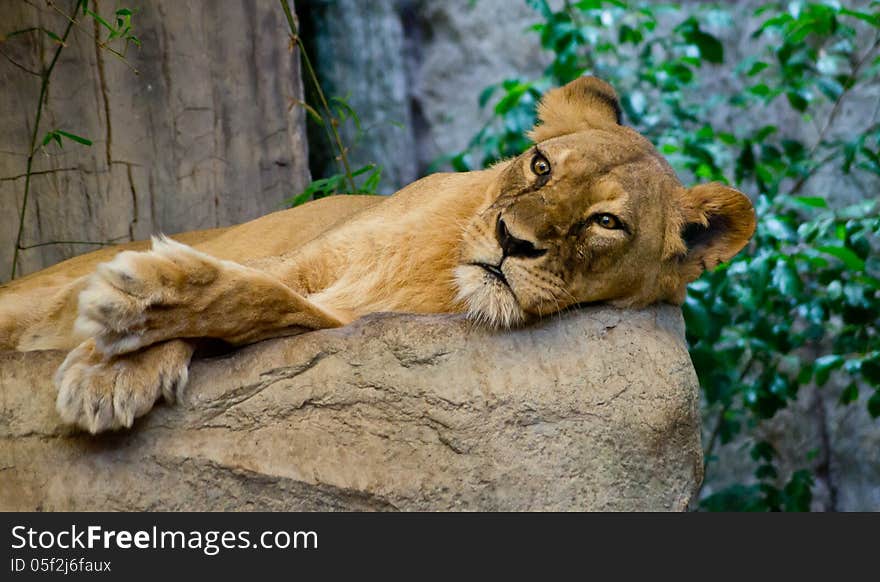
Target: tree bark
[{"x": 195, "y": 131}]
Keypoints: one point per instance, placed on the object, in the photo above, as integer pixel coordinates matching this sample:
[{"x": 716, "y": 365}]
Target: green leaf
[
  {"x": 872, "y": 19},
  {"x": 830, "y": 88},
  {"x": 764, "y": 472},
  {"x": 696, "y": 315},
  {"x": 765, "y": 132},
  {"x": 74, "y": 137},
  {"x": 797, "y": 100},
  {"x": 362, "y": 170},
  {"x": 785, "y": 278},
  {"x": 849, "y": 258},
  {"x": 849, "y": 394},
  {"x": 346, "y": 111},
  {"x": 812, "y": 201},
  {"x": 52, "y": 35},
  {"x": 627, "y": 34},
  {"x": 299, "y": 199},
  {"x": 871, "y": 369},
  {"x": 101, "y": 21},
  {"x": 737, "y": 497},
  {"x": 874, "y": 404},
  {"x": 486, "y": 94},
  {"x": 710, "y": 47},
  {"x": 825, "y": 365},
  {"x": 756, "y": 68},
  {"x": 371, "y": 184},
  {"x": 798, "y": 492},
  {"x": 778, "y": 229},
  {"x": 761, "y": 90},
  {"x": 762, "y": 451},
  {"x": 313, "y": 113}
]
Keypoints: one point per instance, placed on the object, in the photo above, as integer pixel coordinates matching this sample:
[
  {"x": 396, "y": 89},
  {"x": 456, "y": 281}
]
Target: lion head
[{"x": 592, "y": 213}]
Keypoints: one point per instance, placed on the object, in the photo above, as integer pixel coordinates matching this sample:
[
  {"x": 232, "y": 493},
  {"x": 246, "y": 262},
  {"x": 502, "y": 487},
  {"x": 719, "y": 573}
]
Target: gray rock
[
  {"x": 854, "y": 442},
  {"x": 465, "y": 46},
  {"x": 593, "y": 410},
  {"x": 358, "y": 51}
]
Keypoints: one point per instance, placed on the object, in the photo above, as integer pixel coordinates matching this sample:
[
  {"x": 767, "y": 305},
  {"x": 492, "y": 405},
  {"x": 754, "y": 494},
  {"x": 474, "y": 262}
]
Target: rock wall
[
  {"x": 195, "y": 131},
  {"x": 419, "y": 63},
  {"x": 838, "y": 443},
  {"x": 358, "y": 49},
  {"x": 593, "y": 410}
]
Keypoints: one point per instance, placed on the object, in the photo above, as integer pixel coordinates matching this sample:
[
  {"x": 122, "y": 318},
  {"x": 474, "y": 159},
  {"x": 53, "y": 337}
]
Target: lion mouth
[{"x": 495, "y": 271}]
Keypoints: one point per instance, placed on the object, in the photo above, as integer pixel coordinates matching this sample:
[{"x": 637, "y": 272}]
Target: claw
[{"x": 98, "y": 393}]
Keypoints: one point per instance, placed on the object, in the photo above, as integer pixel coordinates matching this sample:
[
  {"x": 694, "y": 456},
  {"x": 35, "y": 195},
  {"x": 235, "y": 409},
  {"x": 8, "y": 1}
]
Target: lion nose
[{"x": 515, "y": 247}]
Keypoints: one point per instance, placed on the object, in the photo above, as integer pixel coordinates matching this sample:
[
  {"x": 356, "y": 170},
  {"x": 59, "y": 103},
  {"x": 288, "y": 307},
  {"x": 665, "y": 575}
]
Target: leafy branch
[
  {"x": 123, "y": 31},
  {"x": 327, "y": 119}
]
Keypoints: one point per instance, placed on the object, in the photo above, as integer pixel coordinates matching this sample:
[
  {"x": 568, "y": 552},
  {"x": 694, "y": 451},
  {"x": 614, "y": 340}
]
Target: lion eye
[
  {"x": 608, "y": 221},
  {"x": 540, "y": 165}
]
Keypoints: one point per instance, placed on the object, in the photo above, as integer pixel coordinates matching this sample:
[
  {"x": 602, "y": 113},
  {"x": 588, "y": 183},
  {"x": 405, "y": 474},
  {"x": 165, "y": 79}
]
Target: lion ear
[
  {"x": 585, "y": 103},
  {"x": 717, "y": 222}
]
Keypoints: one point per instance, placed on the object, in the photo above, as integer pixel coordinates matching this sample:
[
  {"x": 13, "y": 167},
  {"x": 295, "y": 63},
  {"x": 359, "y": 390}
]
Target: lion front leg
[
  {"x": 137, "y": 311},
  {"x": 174, "y": 291},
  {"x": 98, "y": 392}
]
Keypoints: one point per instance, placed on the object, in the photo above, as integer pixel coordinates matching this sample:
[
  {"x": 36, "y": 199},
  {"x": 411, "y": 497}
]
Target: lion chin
[{"x": 489, "y": 300}]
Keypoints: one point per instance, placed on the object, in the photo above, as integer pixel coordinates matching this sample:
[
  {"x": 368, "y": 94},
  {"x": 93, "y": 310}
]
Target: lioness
[{"x": 590, "y": 213}]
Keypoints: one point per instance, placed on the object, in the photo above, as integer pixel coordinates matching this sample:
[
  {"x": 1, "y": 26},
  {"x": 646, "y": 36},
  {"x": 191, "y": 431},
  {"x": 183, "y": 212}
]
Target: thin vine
[
  {"x": 328, "y": 120},
  {"x": 45, "y": 75},
  {"x": 122, "y": 31}
]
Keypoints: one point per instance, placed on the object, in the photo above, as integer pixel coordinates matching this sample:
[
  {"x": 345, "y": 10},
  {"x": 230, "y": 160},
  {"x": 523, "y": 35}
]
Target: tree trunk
[{"x": 192, "y": 130}]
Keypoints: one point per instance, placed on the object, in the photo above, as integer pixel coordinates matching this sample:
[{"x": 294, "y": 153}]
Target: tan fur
[{"x": 505, "y": 245}]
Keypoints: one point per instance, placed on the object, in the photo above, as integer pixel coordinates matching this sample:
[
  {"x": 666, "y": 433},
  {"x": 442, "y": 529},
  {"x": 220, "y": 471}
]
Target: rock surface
[{"x": 593, "y": 410}]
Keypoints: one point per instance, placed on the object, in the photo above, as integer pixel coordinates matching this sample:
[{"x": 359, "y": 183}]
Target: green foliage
[
  {"x": 764, "y": 495},
  {"x": 803, "y": 301},
  {"x": 338, "y": 184},
  {"x": 122, "y": 30},
  {"x": 329, "y": 114},
  {"x": 363, "y": 180},
  {"x": 56, "y": 135}
]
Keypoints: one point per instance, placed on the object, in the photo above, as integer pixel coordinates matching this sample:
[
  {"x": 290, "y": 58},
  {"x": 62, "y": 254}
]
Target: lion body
[
  {"x": 368, "y": 253},
  {"x": 592, "y": 213}
]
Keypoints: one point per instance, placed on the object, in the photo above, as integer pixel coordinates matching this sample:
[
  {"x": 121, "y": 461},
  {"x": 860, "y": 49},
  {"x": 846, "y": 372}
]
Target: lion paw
[
  {"x": 128, "y": 302},
  {"x": 98, "y": 393}
]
